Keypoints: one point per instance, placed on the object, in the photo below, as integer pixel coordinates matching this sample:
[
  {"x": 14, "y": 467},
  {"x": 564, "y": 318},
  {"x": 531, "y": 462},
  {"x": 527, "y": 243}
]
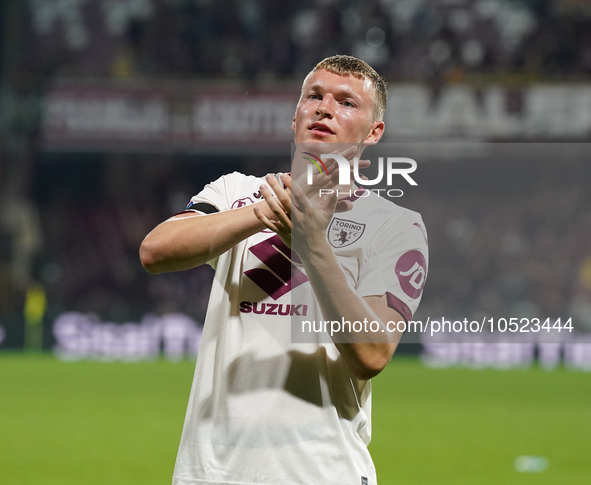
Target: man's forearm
[
  {"x": 366, "y": 354},
  {"x": 189, "y": 240}
]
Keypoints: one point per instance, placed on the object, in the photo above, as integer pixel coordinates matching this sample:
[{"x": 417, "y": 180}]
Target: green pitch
[{"x": 119, "y": 424}]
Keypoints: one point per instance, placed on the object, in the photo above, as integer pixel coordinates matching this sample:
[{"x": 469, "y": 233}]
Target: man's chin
[{"x": 319, "y": 147}]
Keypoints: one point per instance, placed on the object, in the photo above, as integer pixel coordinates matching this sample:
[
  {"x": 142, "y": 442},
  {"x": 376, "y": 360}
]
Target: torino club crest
[{"x": 342, "y": 232}]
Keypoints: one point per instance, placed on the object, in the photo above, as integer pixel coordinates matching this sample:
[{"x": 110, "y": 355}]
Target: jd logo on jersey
[{"x": 342, "y": 232}]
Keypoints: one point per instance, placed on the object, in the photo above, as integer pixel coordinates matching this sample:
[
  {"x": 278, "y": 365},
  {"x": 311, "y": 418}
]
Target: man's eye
[
  {"x": 348, "y": 104},
  {"x": 314, "y": 96}
]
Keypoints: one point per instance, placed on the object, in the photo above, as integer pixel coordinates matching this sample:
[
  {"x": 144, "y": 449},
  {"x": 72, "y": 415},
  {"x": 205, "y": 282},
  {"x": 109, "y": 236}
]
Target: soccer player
[{"x": 265, "y": 410}]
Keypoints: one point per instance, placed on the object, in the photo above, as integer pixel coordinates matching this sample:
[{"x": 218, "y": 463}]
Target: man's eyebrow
[{"x": 341, "y": 92}]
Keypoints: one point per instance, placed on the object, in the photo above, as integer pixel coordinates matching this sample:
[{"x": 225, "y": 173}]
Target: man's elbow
[
  {"x": 149, "y": 257},
  {"x": 370, "y": 365},
  {"x": 368, "y": 370},
  {"x": 365, "y": 372}
]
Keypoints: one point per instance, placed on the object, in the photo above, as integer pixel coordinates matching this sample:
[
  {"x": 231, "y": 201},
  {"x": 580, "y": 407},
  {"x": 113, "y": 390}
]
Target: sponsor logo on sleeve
[{"x": 411, "y": 270}]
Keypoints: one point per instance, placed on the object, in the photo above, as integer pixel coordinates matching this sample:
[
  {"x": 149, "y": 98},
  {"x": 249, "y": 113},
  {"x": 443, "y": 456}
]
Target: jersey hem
[{"x": 196, "y": 481}]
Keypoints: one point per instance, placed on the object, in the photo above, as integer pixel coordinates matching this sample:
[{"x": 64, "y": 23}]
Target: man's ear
[
  {"x": 293, "y": 123},
  {"x": 377, "y": 130}
]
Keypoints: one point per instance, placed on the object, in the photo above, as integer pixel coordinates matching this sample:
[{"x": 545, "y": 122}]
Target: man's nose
[{"x": 325, "y": 108}]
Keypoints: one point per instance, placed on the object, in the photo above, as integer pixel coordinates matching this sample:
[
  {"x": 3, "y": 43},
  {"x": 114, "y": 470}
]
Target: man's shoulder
[
  {"x": 241, "y": 189},
  {"x": 389, "y": 219},
  {"x": 383, "y": 208},
  {"x": 237, "y": 178}
]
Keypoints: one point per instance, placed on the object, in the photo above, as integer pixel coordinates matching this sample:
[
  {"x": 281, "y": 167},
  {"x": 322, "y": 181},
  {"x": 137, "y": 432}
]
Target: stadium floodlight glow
[{"x": 392, "y": 163}]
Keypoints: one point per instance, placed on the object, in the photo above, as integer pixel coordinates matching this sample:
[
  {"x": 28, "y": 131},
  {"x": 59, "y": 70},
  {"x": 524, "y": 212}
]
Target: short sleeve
[
  {"x": 397, "y": 264},
  {"x": 218, "y": 193}
]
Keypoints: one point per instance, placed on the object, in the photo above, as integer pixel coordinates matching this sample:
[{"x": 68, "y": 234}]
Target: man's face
[{"x": 336, "y": 109}]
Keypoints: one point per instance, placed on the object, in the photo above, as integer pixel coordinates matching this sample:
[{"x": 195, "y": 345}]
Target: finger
[
  {"x": 334, "y": 178},
  {"x": 275, "y": 226},
  {"x": 265, "y": 220},
  {"x": 319, "y": 181},
  {"x": 364, "y": 163},
  {"x": 320, "y": 172},
  {"x": 324, "y": 166},
  {"x": 279, "y": 215},
  {"x": 282, "y": 195},
  {"x": 350, "y": 152},
  {"x": 299, "y": 198},
  {"x": 273, "y": 204},
  {"x": 343, "y": 206},
  {"x": 332, "y": 201},
  {"x": 331, "y": 165},
  {"x": 320, "y": 184},
  {"x": 286, "y": 179}
]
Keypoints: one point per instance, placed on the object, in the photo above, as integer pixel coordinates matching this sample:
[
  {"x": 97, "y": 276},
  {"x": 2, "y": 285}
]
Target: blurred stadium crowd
[
  {"x": 512, "y": 242},
  {"x": 72, "y": 222},
  {"x": 262, "y": 39}
]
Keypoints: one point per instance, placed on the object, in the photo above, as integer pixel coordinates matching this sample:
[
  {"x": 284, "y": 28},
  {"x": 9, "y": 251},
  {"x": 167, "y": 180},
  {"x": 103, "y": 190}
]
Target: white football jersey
[{"x": 264, "y": 410}]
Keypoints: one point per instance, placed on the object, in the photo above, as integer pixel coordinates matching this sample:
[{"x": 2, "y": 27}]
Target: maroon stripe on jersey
[
  {"x": 397, "y": 304},
  {"x": 353, "y": 197}
]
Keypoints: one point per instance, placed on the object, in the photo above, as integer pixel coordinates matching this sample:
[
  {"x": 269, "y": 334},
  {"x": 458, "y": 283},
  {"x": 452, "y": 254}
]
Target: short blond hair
[{"x": 349, "y": 65}]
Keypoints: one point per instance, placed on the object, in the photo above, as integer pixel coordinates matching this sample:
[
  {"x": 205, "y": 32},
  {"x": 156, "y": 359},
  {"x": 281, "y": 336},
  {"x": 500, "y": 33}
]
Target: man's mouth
[{"x": 320, "y": 129}]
